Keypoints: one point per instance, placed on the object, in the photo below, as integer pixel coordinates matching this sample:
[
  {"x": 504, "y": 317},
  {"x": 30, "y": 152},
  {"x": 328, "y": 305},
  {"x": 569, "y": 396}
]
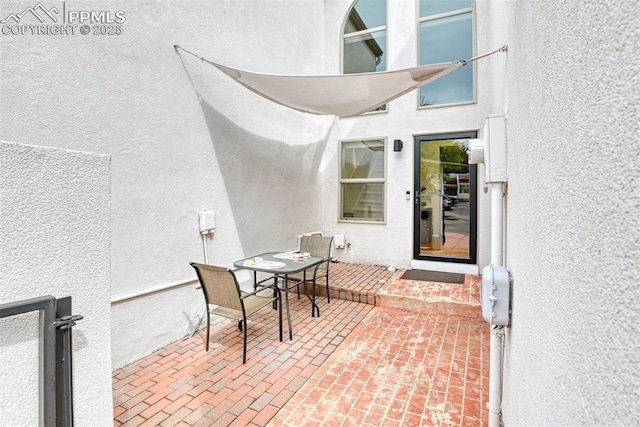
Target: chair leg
[
  {"x": 240, "y": 325},
  {"x": 208, "y": 327},
  {"x": 280, "y": 315},
  {"x": 314, "y": 306},
  {"x": 244, "y": 346},
  {"x": 286, "y": 296},
  {"x": 275, "y": 282},
  {"x": 327, "y": 280},
  {"x": 313, "y": 298}
]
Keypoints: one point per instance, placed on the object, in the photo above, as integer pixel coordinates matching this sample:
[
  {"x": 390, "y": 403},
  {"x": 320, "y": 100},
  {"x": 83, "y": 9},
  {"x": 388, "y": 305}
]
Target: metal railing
[{"x": 55, "y": 389}]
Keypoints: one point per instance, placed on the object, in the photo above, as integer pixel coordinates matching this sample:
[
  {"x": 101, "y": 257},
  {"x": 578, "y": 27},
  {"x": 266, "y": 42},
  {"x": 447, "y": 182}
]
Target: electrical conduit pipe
[{"x": 497, "y": 334}]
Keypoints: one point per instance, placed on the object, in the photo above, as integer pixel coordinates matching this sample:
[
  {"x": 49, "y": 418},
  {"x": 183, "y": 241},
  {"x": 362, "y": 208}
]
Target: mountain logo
[{"x": 39, "y": 11}]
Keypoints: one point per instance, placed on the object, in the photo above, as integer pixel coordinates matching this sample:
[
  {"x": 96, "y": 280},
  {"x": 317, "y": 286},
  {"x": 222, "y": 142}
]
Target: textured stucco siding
[
  {"x": 55, "y": 240},
  {"x": 182, "y": 136},
  {"x": 573, "y": 225}
]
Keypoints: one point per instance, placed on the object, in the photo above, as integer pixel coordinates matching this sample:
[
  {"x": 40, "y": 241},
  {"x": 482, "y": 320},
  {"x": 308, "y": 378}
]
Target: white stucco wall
[
  {"x": 54, "y": 240},
  {"x": 182, "y": 138},
  {"x": 572, "y": 356}
]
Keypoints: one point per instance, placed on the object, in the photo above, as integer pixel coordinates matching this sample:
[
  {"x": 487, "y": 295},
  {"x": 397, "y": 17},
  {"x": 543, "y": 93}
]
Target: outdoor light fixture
[{"x": 397, "y": 145}]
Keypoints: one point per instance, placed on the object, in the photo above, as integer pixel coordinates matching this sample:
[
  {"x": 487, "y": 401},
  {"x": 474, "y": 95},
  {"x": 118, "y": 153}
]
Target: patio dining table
[{"x": 280, "y": 265}]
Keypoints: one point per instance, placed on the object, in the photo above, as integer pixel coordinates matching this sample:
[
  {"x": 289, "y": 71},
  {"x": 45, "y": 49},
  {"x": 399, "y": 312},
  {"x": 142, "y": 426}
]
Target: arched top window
[
  {"x": 365, "y": 37},
  {"x": 446, "y": 34}
]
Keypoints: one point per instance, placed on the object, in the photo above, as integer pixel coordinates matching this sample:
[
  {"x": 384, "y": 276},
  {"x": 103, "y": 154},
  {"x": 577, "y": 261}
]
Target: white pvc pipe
[
  {"x": 496, "y": 348},
  {"x": 496, "y": 223},
  {"x": 495, "y": 376},
  {"x": 204, "y": 246},
  {"x": 151, "y": 290}
]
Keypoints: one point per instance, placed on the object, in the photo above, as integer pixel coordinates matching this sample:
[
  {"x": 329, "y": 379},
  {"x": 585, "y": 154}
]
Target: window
[
  {"x": 362, "y": 180},
  {"x": 446, "y": 34},
  {"x": 364, "y": 40}
]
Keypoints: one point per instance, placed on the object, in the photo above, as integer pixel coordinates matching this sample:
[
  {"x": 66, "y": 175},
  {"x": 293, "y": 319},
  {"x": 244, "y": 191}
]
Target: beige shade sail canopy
[{"x": 343, "y": 95}]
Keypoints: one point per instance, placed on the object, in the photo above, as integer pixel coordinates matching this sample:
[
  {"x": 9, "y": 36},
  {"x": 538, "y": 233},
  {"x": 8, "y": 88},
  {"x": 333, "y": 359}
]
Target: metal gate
[{"x": 55, "y": 367}]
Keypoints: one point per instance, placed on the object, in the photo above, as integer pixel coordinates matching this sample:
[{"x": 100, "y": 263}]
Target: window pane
[
  {"x": 366, "y": 14},
  {"x": 365, "y": 54},
  {"x": 363, "y": 201},
  {"x": 362, "y": 159},
  {"x": 445, "y": 40},
  {"x": 456, "y": 86},
  {"x": 434, "y": 7}
]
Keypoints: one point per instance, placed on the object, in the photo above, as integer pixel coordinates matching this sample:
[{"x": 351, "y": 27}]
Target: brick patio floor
[{"x": 411, "y": 353}]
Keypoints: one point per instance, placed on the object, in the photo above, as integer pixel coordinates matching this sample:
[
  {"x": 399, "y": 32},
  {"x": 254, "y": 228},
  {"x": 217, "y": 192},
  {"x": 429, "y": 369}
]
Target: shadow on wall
[{"x": 273, "y": 187}]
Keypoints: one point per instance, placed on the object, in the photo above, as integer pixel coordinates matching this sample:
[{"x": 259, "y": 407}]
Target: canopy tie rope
[
  {"x": 176, "y": 47},
  {"x": 464, "y": 62}
]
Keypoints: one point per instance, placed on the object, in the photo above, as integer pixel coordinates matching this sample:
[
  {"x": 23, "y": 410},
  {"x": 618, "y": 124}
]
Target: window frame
[
  {"x": 383, "y": 181},
  {"x": 369, "y": 31},
  {"x": 445, "y": 15}
]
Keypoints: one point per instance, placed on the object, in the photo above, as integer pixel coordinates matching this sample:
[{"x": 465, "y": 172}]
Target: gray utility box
[{"x": 496, "y": 295}]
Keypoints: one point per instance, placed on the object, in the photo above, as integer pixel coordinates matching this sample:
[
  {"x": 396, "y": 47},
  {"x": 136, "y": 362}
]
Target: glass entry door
[{"x": 444, "y": 199}]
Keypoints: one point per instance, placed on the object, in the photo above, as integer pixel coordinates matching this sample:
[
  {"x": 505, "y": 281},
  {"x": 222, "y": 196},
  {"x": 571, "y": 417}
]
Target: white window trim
[
  {"x": 363, "y": 32},
  {"x": 445, "y": 15},
  {"x": 363, "y": 181}
]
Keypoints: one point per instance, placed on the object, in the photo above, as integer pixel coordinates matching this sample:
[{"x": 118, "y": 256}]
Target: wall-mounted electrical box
[
  {"x": 496, "y": 295},
  {"x": 207, "y": 222},
  {"x": 495, "y": 148}
]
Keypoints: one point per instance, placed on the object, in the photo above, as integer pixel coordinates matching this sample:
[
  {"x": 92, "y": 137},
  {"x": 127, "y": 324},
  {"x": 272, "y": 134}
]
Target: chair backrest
[
  {"x": 319, "y": 246},
  {"x": 219, "y": 285},
  {"x": 312, "y": 233}
]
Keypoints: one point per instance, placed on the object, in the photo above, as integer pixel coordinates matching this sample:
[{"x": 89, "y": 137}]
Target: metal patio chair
[
  {"x": 319, "y": 246},
  {"x": 220, "y": 287}
]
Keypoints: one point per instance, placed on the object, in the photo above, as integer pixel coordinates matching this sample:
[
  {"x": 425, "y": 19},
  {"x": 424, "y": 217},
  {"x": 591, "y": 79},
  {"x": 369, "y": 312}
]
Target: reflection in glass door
[{"x": 444, "y": 199}]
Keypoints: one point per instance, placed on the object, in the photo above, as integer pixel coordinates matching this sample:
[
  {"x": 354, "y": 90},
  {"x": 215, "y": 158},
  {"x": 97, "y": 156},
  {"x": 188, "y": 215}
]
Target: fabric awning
[{"x": 341, "y": 95}]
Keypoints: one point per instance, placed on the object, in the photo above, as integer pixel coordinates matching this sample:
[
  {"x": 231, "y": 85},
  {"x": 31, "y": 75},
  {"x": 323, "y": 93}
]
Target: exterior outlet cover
[
  {"x": 207, "y": 221},
  {"x": 496, "y": 295}
]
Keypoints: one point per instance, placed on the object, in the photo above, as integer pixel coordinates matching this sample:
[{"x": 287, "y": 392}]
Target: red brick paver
[
  {"x": 399, "y": 368},
  {"x": 434, "y": 297},
  {"x": 215, "y": 387},
  {"x": 407, "y": 361}
]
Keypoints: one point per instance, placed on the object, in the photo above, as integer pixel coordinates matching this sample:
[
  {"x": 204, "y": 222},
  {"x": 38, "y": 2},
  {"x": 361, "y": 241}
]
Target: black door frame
[{"x": 473, "y": 201}]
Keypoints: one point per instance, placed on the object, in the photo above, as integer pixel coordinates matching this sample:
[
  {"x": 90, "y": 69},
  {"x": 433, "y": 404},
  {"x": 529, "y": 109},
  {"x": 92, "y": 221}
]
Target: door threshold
[{"x": 446, "y": 267}]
